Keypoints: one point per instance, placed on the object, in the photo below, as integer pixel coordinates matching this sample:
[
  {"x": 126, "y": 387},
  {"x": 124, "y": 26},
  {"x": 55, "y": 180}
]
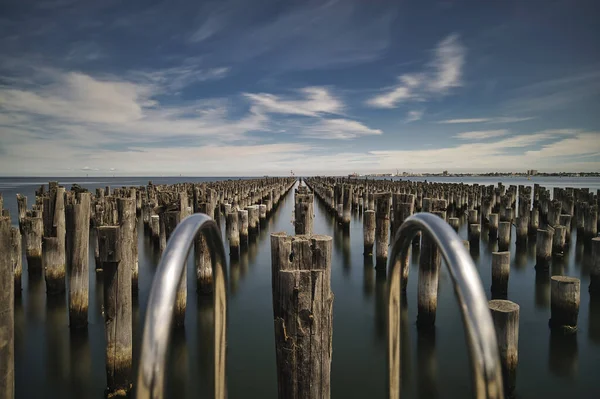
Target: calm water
[{"x": 53, "y": 363}]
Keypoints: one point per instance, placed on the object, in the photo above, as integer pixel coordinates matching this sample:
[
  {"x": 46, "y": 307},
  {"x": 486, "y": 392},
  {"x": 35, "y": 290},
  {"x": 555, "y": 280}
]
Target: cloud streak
[{"x": 442, "y": 74}]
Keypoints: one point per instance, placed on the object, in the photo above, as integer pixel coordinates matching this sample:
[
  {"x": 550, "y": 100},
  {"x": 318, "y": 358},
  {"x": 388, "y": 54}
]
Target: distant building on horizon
[{"x": 532, "y": 172}]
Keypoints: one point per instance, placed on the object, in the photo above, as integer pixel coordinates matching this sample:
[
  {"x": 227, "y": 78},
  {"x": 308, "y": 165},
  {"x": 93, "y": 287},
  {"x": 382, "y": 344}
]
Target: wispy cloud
[
  {"x": 482, "y": 134},
  {"x": 316, "y": 101},
  {"x": 499, "y": 119},
  {"x": 443, "y": 73},
  {"x": 339, "y": 129},
  {"x": 414, "y": 115}
]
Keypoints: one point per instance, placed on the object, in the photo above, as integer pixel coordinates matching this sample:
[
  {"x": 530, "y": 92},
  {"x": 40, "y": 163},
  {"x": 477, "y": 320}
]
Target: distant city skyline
[{"x": 238, "y": 88}]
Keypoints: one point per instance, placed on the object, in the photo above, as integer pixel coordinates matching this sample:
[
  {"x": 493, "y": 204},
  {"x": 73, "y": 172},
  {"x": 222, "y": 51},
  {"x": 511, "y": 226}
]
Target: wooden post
[
  {"x": 369, "y": 232},
  {"x": 22, "y": 209},
  {"x": 7, "y": 312},
  {"x": 565, "y": 220},
  {"x": 382, "y": 229},
  {"x": 454, "y": 223},
  {"x": 252, "y": 219},
  {"x": 504, "y": 236},
  {"x": 505, "y": 315},
  {"x": 117, "y": 257},
  {"x": 493, "y": 225},
  {"x": 534, "y": 221},
  {"x": 302, "y": 310},
  {"x": 474, "y": 235},
  {"x": 558, "y": 239},
  {"x": 33, "y": 230},
  {"x": 78, "y": 234},
  {"x": 16, "y": 258},
  {"x": 155, "y": 230},
  {"x": 500, "y": 273},
  {"x": 303, "y": 213},
  {"x": 564, "y": 303},
  {"x": 347, "y": 205},
  {"x": 595, "y": 269},
  {"x": 262, "y": 214},
  {"x": 53, "y": 244},
  {"x": 522, "y": 228},
  {"x": 243, "y": 223},
  {"x": 234, "y": 234},
  {"x": 430, "y": 260},
  {"x": 543, "y": 247}
]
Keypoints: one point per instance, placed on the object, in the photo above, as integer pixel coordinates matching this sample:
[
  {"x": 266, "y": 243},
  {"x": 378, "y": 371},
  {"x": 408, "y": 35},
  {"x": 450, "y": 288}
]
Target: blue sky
[{"x": 264, "y": 87}]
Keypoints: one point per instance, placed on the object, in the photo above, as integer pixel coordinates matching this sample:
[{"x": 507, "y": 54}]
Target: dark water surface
[{"x": 52, "y": 362}]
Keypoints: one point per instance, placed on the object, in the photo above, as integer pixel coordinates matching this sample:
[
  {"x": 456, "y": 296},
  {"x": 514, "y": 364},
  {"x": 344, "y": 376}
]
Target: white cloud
[
  {"x": 316, "y": 101},
  {"x": 504, "y": 154},
  {"x": 339, "y": 129},
  {"x": 443, "y": 73},
  {"x": 499, "y": 119},
  {"x": 414, "y": 115},
  {"x": 481, "y": 134},
  {"x": 448, "y": 64}
]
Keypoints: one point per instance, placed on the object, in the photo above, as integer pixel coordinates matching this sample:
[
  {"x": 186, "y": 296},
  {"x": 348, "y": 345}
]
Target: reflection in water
[
  {"x": 345, "y": 250},
  {"x": 405, "y": 353},
  {"x": 563, "y": 355},
  {"x": 244, "y": 259},
  {"x": 594, "y": 319},
  {"x": 426, "y": 364},
  {"x": 542, "y": 288},
  {"x": 80, "y": 364},
  {"x": 521, "y": 257},
  {"x": 58, "y": 343},
  {"x": 558, "y": 265},
  {"x": 380, "y": 305},
  {"x": 578, "y": 252},
  {"x": 234, "y": 273},
  {"x": 368, "y": 276},
  {"x": 36, "y": 298},
  {"x": 177, "y": 365}
]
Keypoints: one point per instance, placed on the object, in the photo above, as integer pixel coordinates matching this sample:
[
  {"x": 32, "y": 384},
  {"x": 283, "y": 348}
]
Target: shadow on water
[
  {"x": 521, "y": 257},
  {"x": 58, "y": 343},
  {"x": 381, "y": 305},
  {"x": 427, "y": 383},
  {"x": 563, "y": 355},
  {"x": 80, "y": 363},
  {"x": 542, "y": 288},
  {"x": 178, "y": 364},
  {"x": 594, "y": 319},
  {"x": 368, "y": 276}
]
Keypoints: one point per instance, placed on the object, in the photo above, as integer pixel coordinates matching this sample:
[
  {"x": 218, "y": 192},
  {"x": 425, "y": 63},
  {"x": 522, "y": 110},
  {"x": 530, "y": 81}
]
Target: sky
[{"x": 242, "y": 88}]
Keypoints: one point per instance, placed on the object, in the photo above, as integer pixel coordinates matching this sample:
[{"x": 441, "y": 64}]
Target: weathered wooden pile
[
  {"x": 56, "y": 235},
  {"x": 544, "y": 219},
  {"x": 302, "y": 305}
]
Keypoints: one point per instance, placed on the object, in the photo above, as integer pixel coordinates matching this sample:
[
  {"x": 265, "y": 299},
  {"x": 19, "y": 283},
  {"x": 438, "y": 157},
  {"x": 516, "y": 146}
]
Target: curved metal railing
[
  {"x": 159, "y": 314},
  {"x": 479, "y": 327}
]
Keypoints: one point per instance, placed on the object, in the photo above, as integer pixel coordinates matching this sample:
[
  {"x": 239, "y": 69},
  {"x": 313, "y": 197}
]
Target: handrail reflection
[
  {"x": 479, "y": 328},
  {"x": 159, "y": 314}
]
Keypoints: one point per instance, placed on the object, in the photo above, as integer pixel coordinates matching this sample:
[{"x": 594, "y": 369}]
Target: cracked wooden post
[
  {"x": 368, "y": 232},
  {"x": 33, "y": 230},
  {"x": 53, "y": 244},
  {"x": 347, "y": 205},
  {"x": 243, "y": 227},
  {"x": 253, "y": 220},
  {"x": 564, "y": 303},
  {"x": 302, "y": 311},
  {"x": 430, "y": 261},
  {"x": 505, "y": 315},
  {"x": 382, "y": 229},
  {"x": 202, "y": 261},
  {"x": 500, "y": 273},
  {"x": 117, "y": 257},
  {"x": 303, "y": 213},
  {"x": 493, "y": 225},
  {"x": 234, "y": 234},
  {"x": 22, "y": 209},
  {"x": 7, "y": 312},
  {"x": 16, "y": 258},
  {"x": 543, "y": 247},
  {"x": 504, "y": 236},
  {"x": 78, "y": 234}
]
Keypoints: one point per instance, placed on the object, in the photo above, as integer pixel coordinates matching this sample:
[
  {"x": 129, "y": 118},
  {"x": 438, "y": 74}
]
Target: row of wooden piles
[
  {"x": 55, "y": 232},
  {"x": 538, "y": 217}
]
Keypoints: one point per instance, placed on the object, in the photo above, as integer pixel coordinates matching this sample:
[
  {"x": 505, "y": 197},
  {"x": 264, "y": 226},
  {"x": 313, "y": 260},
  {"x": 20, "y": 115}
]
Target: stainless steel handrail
[
  {"x": 159, "y": 314},
  {"x": 479, "y": 327}
]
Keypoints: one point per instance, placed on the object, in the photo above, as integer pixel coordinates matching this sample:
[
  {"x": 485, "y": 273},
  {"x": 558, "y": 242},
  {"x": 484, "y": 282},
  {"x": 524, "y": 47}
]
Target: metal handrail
[
  {"x": 479, "y": 327},
  {"x": 159, "y": 313}
]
